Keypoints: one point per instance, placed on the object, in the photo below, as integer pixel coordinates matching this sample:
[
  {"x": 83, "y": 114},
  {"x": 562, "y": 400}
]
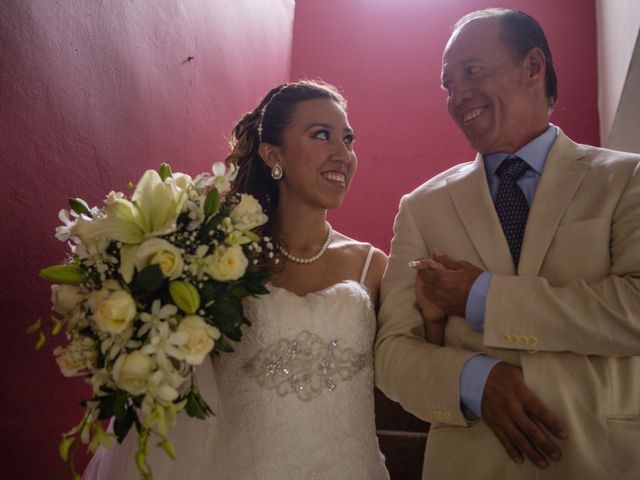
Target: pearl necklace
[{"x": 305, "y": 261}]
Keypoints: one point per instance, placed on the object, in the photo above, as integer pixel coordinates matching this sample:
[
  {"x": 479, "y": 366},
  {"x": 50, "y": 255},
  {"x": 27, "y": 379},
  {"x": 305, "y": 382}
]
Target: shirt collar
[{"x": 534, "y": 153}]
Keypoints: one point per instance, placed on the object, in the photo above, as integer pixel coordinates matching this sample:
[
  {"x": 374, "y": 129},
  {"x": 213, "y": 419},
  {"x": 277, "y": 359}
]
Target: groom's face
[{"x": 488, "y": 93}]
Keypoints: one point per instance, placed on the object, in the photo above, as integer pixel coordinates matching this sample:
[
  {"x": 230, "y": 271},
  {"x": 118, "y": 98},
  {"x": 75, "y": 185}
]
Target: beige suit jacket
[{"x": 570, "y": 317}]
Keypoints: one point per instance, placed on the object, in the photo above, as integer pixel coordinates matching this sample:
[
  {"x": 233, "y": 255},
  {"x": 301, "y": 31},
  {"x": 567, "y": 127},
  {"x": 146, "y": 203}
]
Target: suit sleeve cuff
[
  {"x": 477, "y": 301},
  {"x": 473, "y": 378}
]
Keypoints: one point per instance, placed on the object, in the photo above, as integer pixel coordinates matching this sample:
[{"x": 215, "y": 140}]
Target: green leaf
[
  {"x": 149, "y": 279},
  {"x": 196, "y": 406},
  {"x": 106, "y": 407},
  {"x": 80, "y": 207},
  {"x": 222, "y": 345},
  {"x": 121, "y": 426},
  {"x": 256, "y": 288},
  {"x": 137, "y": 400},
  {"x": 207, "y": 292},
  {"x": 212, "y": 202},
  {"x": 112, "y": 405},
  {"x": 240, "y": 291},
  {"x": 235, "y": 334},
  {"x": 119, "y": 405},
  {"x": 66, "y": 273},
  {"x": 165, "y": 171},
  {"x": 258, "y": 275},
  {"x": 254, "y": 281},
  {"x": 228, "y": 317}
]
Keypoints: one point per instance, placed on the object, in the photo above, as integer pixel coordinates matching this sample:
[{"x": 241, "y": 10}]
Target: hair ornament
[{"x": 263, "y": 110}]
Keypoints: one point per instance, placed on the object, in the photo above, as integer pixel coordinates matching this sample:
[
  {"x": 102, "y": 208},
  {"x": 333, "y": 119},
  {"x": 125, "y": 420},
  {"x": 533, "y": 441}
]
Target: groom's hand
[
  {"x": 516, "y": 416},
  {"x": 449, "y": 287}
]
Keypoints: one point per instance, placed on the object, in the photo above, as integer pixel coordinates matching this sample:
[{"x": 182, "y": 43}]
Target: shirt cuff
[
  {"x": 473, "y": 378},
  {"x": 477, "y": 301}
]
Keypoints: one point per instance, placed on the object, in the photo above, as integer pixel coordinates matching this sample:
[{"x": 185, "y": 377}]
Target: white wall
[{"x": 618, "y": 27}]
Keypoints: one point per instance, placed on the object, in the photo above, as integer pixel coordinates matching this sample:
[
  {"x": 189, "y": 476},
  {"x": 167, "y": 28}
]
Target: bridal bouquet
[{"x": 153, "y": 284}]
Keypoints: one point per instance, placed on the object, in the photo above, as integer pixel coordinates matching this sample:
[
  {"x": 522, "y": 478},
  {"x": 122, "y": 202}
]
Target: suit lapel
[
  {"x": 563, "y": 173},
  {"x": 470, "y": 195}
]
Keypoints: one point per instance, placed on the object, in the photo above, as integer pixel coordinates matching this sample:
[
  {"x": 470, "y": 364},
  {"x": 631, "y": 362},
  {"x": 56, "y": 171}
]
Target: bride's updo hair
[{"x": 267, "y": 123}]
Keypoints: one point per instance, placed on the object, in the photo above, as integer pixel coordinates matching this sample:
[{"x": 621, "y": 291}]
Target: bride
[{"x": 295, "y": 399}]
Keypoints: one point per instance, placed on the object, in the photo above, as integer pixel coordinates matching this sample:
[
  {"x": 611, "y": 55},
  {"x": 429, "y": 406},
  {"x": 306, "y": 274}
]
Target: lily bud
[
  {"x": 166, "y": 445},
  {"x": 67, "y": 274},
  {"x": 63, "y": 448},
  {"x": 185, "y": 296},
  {"x": 165, "y": 171},
  {"x": 140, "y": 461}
]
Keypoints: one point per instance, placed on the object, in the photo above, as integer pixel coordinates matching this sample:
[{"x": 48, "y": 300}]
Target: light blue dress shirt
[{"x": 473, "y": 376}]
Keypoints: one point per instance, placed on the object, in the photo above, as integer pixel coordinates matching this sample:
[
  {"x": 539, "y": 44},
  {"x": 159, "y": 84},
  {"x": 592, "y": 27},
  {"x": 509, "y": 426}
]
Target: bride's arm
[{"x": 434, "y": 318}]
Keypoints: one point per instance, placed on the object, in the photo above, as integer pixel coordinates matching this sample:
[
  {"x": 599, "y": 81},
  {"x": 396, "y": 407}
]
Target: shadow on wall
[{"x": 92, "y": 94}]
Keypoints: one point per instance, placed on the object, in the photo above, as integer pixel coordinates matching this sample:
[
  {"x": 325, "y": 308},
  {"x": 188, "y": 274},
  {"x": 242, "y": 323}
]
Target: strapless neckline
[{"x": 322, "y": 291}]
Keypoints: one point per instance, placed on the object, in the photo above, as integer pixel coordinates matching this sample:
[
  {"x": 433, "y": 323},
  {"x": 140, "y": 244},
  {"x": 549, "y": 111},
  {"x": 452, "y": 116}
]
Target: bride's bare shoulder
[
  {"x": 351, "y": 246},
  {"x": 357, "y": 251}
]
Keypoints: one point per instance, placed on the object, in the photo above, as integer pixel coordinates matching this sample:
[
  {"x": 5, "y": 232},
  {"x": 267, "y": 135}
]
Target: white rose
[
  {"x": 248, "y": 213},
  {"x": 95, "y": 298},
  {"x": 226, "y": 263},
  {"x": 131, "y": 372},
  {"x": 113, "y": 311},
  {"x": 78, "y": 357},
  {"x": 200, "y": 341},
  {"x": 65, "y": 298},
  {"x": 164, "y": 254}
]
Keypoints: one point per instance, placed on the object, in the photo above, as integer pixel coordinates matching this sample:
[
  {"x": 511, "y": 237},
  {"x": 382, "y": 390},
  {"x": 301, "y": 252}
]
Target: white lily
[{"x": 152, "y": 211}]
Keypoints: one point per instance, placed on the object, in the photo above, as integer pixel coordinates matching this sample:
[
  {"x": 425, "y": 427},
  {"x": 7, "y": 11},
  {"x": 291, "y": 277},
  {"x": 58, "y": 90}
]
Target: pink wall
[
  {"x": 386, "y": 55},
  {"x": 91, "y": 94}
]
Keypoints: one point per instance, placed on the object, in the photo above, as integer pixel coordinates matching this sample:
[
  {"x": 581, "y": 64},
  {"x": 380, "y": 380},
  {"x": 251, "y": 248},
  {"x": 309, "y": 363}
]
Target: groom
[{"x": 539, "y": 376}]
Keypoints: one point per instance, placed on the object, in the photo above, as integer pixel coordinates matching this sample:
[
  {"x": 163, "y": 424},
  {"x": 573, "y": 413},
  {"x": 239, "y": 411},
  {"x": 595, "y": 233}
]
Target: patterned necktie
[{"x": 511, "y": 204}]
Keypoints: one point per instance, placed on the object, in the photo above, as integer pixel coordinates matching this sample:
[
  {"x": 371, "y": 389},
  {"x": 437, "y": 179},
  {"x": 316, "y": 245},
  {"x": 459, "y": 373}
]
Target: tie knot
[{"x": 512, "y": 167}]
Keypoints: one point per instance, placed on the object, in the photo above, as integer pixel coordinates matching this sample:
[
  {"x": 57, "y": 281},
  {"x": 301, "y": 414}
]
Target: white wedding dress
[{"x": 294, "y": 401}]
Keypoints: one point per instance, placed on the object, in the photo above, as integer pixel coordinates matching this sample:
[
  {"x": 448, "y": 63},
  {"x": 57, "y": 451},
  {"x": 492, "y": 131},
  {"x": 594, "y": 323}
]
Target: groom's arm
[{"x": 495, "y": 391}]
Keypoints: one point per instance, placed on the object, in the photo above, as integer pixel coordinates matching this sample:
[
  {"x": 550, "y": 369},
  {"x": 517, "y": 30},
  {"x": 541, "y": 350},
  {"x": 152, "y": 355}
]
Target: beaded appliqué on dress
[{"x": 305, "y": 366}]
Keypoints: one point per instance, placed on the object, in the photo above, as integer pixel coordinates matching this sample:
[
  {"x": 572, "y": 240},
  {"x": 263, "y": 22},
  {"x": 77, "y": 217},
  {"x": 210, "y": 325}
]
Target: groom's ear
[{"x": 270, "y": 154}]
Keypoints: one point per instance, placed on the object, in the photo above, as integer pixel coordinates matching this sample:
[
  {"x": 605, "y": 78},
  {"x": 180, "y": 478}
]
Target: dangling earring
[{"x": 276, "y": 172}]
